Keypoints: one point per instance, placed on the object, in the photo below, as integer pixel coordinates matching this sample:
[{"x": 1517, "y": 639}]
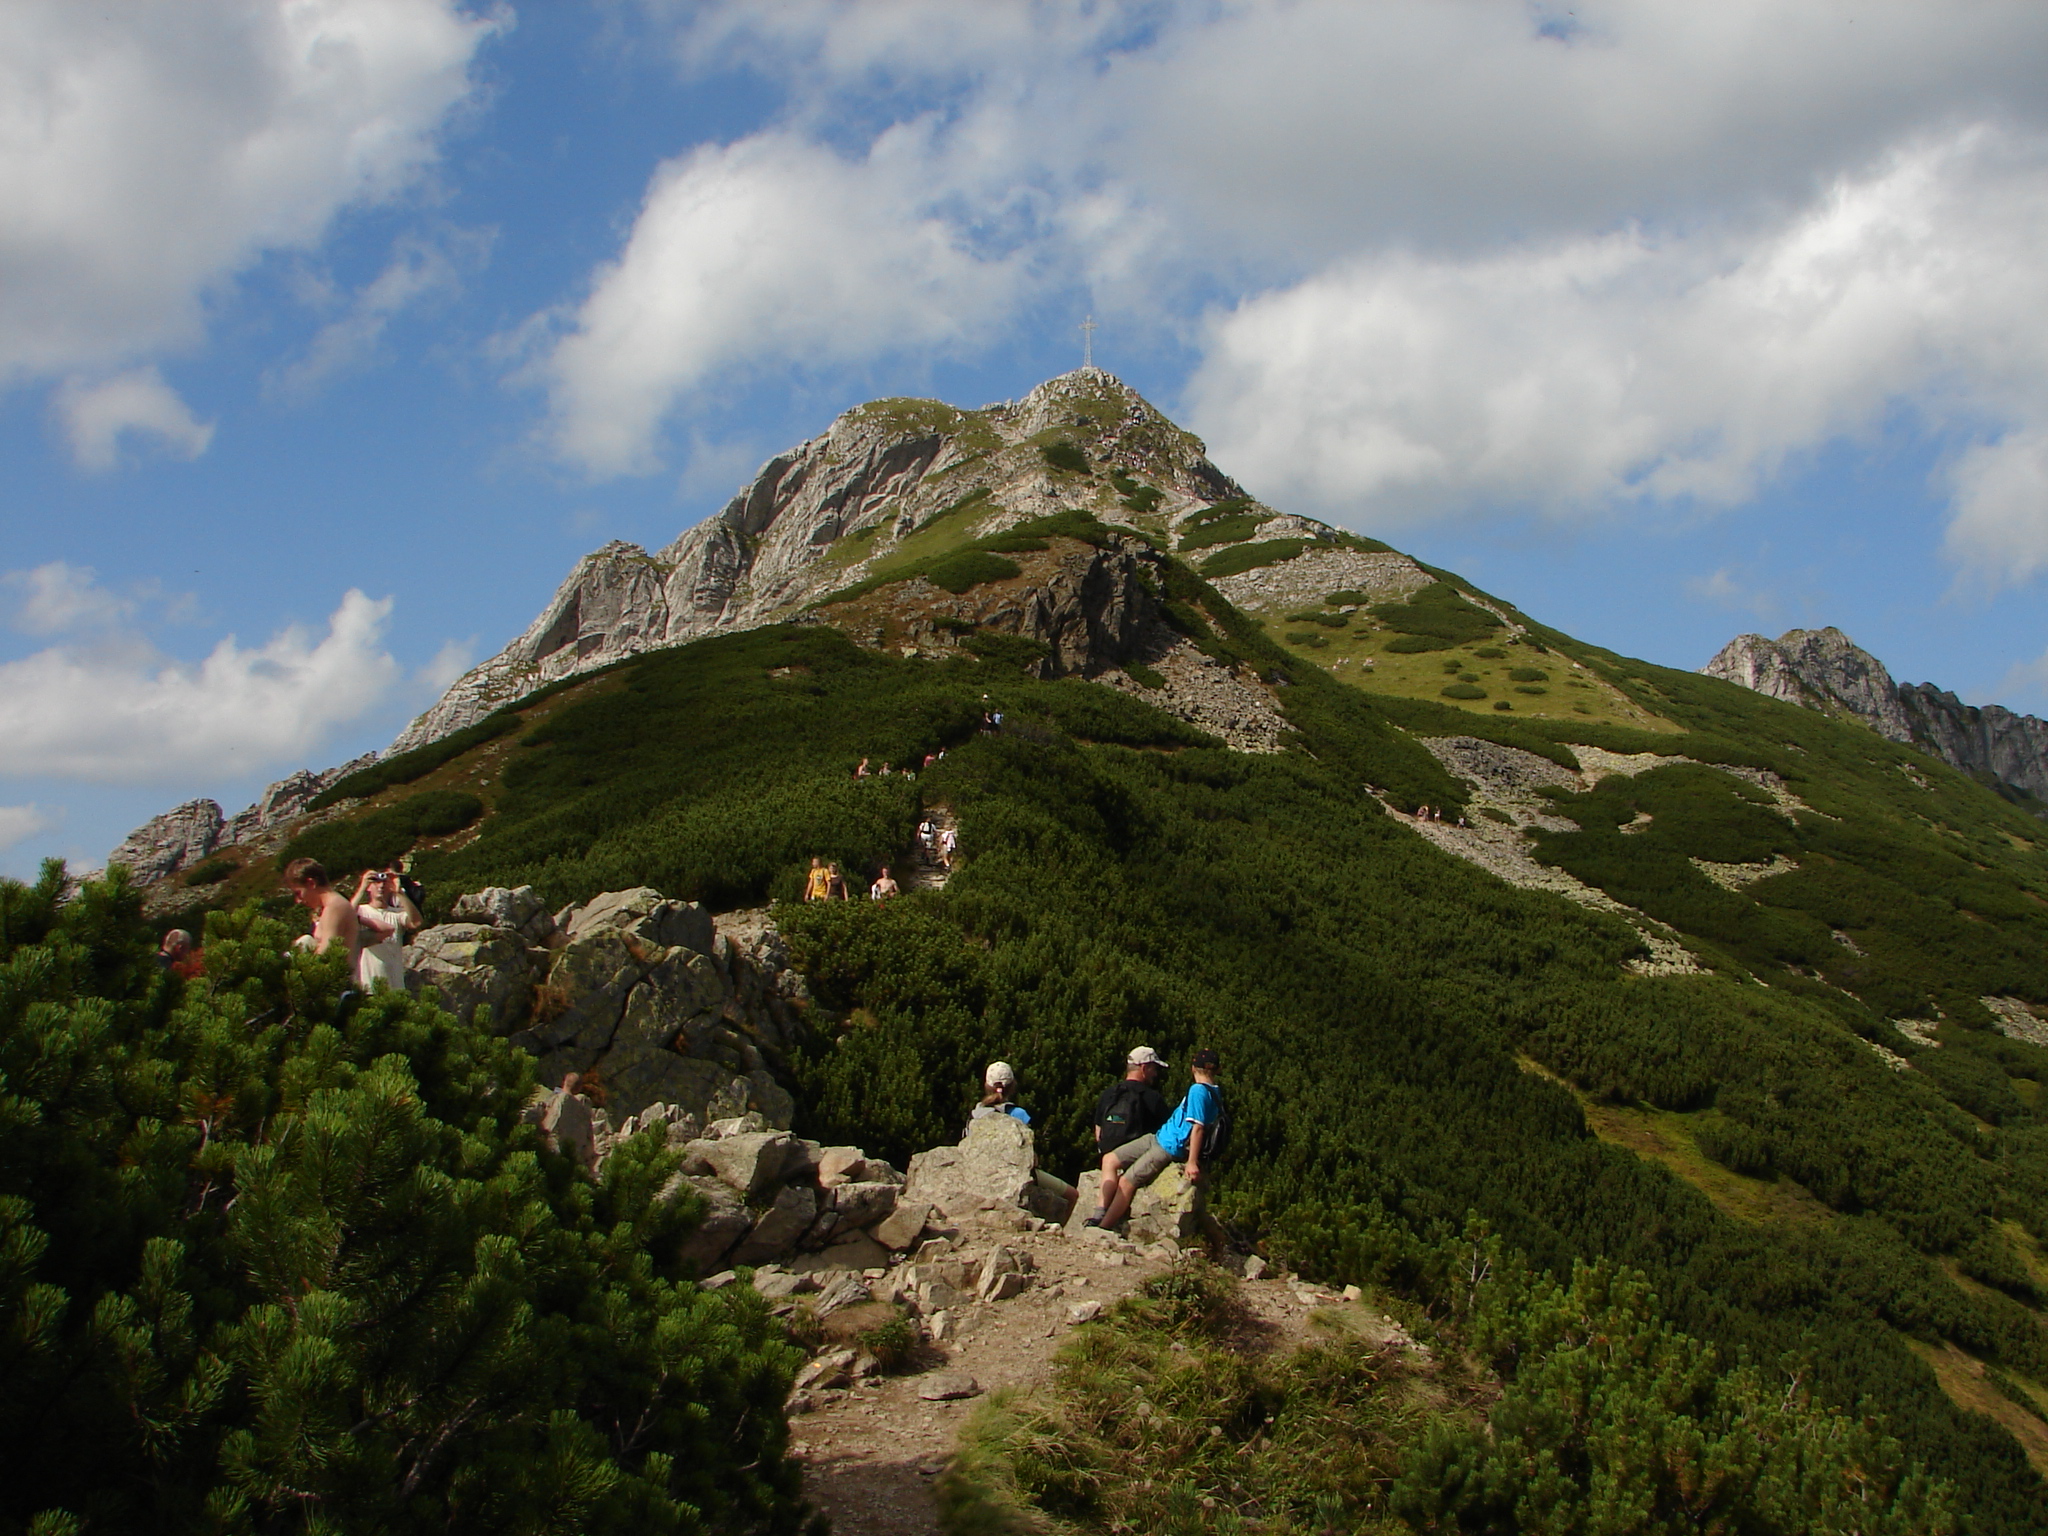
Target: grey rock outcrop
[
  {"x": 163, "y": 845},
  {"x": 881, "y": 472},
  {"x": 1823, "y": 669},
  {"x": 1980, "y": 739},
  {"x": 182, "y": 837},
  {"x": 662, "y": 1003},
  {"x": 1820, "y": 669}
]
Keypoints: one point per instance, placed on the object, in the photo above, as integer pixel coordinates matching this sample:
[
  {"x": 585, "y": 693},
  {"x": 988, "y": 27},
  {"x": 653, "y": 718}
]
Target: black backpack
[
  {"x": 1119, "y": 1114},
  {"x": 1216, "y": 1138}
]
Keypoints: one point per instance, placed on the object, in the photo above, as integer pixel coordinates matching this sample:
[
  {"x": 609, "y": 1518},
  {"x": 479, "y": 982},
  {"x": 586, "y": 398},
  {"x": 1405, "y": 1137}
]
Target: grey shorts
[{"x": 1141, "y": 1161}]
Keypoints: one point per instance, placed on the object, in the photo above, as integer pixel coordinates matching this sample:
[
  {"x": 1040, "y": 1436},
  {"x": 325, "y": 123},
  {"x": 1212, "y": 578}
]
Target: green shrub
[
  {"x": 1533, "y": 690},
  {"x": 1347, "y": 598},
  {"x": 1493, "y": 813},
  {"x": 1439, "y": 611},
  {"x": 1327, "y": 620},
  {"x": 1454, "y": 664},
  {"x": 210, "y": 872},
  {"x": 1065, "y": 456},
  {"x": 1141, "y": 499},
  {"x": 1224, "y": 530},
  {"x": 969, "y": 568},
  {"x": 421, "y": 761},
  {"x": 308, "y": 1268},
  {"x": 1018, "y": 652},
  {"x": 1249, "y": 557},
  {"x": 1734, "y": 1145},
  {"x": 1412, "y": 645},
  {"x": 1141, "y": 673},
  {"x": 1490, "y": 653},
  {"x": 893, "y": 1343},
  {"x": 383, "y": 837},
  {"x": 1525, "y": 674},
  {"x": 1310, "y": 638},
  {"x": 1503, "y": 704},
  {"x": 1462, "y": 691}
]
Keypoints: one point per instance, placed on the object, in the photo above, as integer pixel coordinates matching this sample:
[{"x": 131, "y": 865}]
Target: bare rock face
[
  {"x": 1980, "y": 740},
  {"x": 165, "y": 844},
  {"x": 1823, "y": 669},
  {"x": 991, "y": 1168},
  {"x": 882, "y": 471},
  {"x": 180, "y": 838}
]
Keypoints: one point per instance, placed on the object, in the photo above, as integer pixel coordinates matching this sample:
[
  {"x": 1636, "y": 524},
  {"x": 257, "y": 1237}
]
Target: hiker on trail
[
  {"x": 387, "y": 915},
  {"x": 334, "y": 915},
  {"x": 1130, "y": 1108},
  {"x": 835, "y": 883},
  {"x": 926, "y": 832},
  {"x": 884, "y": 887},
  {"x": 177, "y": 955},
  {"x": 818, "y": 883},
  {"x": 999, "y": 1097},
  {"x": 948, "y": 841},
  {"x": 1194, "y": 1126}
]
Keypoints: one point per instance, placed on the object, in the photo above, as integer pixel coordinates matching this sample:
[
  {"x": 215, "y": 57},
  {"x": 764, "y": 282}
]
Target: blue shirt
[{"x": 1199, "y": 1107}]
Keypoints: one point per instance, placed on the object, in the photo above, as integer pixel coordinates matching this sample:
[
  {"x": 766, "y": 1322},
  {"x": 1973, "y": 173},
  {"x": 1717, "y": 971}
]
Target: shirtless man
[{"x": 334, "y": 916}]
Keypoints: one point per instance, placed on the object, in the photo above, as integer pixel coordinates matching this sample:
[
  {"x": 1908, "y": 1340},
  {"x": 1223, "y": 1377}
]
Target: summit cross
[{"x": 1088, "y": 342}]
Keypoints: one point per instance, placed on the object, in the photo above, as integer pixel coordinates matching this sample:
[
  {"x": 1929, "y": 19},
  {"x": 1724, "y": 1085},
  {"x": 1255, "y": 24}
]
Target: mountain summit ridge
[{"x": 1823, "y": 669}]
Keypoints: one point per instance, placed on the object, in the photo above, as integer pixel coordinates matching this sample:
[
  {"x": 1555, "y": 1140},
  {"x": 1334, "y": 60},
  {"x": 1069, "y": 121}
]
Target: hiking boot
[{"x": 1095, "y": 1220}]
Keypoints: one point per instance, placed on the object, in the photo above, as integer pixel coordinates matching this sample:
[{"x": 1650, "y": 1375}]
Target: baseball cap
[
  {"x": 1206, "y": 1059},
  {"x": 999, "y": 1072},
  {"x": 1145, "y": 1056}
]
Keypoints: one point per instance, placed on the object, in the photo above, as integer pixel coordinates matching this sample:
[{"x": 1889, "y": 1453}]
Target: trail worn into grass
[{"x": 872, "y": 1451}]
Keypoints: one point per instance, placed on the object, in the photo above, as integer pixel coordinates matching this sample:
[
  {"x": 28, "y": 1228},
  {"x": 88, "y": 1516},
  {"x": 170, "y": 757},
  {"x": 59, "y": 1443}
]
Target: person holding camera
[{"x": 385, "y": 914}]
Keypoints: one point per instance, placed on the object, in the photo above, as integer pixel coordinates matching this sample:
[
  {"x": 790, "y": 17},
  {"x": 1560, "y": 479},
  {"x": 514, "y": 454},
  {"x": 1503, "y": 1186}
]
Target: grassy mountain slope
[{"x": 1817, "y": 1145}]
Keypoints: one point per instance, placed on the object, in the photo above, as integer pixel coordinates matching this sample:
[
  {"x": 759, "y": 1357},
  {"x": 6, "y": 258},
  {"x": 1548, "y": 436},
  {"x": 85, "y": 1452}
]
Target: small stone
[
  {"x": 1353, "y": 1293},
  {"x": 1004, "y": 1286},
  {"x": 902, "y": 1226},
  {"x": 939, "y": 1327},
  {"x": 777, "y": 1283},
  {"x": 1254, "y": 1268},
  {"x": 947, "y": 1387},
  {"x": 833, "y": 1370},
  {"x": 934, "y": 1248},
  {"x": 1084, "y": 1312},
  {"x": 719, "y": 1281},
  {"x": 1111, "y": 1259}
]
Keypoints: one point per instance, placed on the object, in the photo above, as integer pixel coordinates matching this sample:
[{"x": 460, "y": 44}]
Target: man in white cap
[{"x": 1130, "y": 1109}]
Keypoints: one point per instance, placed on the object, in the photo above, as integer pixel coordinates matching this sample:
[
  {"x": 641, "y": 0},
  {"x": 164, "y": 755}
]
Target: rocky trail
[{"x": 928, "y": 870}]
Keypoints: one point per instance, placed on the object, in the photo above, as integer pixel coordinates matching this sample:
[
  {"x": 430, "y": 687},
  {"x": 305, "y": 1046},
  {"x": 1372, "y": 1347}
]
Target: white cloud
[
  {"x": 1725, "y": 589},
  {"x": 1638, "y": 368},
  {"x": 769, "y": 253},
  {"x": 119, "y": 711},
  {"x": 138, "y": 403},
  {"x": 19, "y": 823},
  {"x": 58, "y": 597},
  {"x": 2000, "y": 532},
  {"x": 151, "y": 150},
  {"x": 447, "y": 664}
]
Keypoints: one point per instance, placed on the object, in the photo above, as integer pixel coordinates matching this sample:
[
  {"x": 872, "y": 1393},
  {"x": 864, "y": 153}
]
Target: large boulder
[
  {"x": 483, "y": 974},
  {"x": 583, "y": 1000},
  {"x": 990, "y": 1169},
  {"x": 751, "y": 1163},
  {"x": 776, "y": 1233},
  {"x": 645, "y": 914},
  {"x": 521, "y": 909},
  {"x": 1168, "y": 1207},
  {"x": 726, "y": 1221}
]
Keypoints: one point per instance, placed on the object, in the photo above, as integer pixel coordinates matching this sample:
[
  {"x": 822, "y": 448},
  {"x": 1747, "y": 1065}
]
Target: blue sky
[{"x": 331, "y": 335}]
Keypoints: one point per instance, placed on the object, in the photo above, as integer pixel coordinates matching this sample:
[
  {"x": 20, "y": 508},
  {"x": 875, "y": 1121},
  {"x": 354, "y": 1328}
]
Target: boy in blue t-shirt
[{"x": 1178, "y": 1141}]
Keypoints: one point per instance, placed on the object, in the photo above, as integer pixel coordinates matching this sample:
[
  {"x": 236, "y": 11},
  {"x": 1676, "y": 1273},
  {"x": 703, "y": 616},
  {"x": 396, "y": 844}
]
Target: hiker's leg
[{"x": 1135, "y": 1177}]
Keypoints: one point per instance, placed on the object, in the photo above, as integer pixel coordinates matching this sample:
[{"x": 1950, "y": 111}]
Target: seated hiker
[
  {"x": 1000, "y": 1095},
  {"x": 1194, "y": 1128},
  {"x": 334, "y": 915},
  {"x": 1130, "y": 1108}
]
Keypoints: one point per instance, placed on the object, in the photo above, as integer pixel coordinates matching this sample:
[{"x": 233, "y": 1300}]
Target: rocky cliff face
[
  {"x": 821, "y": 517},
  {"x": 1824, "y": 669},
  {"x": 183, "y": 837},
  {"x": 1820, "y": 669}
]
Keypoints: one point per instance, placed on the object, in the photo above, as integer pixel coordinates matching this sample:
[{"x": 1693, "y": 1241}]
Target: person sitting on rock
[
  {"x": 1000, "y": 1095},
  {"x": 884, "y": 887},
  {"x": 1180, "y": 1140},
  {"x": 818, "y": 884},
  {"x": 1130, "y": 1108}
]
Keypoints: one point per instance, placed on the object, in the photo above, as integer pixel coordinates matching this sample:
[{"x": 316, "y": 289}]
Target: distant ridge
[{"x": 1824, "y": 670}]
